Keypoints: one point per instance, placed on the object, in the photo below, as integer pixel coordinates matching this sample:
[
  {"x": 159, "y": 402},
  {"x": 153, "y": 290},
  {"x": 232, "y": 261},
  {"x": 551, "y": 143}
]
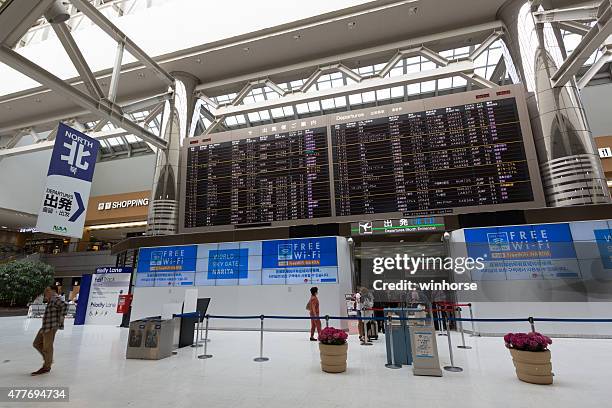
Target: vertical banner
[{"x": 65, "y": 197}]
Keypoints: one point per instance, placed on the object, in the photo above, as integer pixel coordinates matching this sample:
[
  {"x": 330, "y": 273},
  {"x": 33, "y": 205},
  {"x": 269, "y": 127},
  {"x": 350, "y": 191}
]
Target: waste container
[
  {"x": 151, "y": 338},
  {"x": 401, "y": 335}
]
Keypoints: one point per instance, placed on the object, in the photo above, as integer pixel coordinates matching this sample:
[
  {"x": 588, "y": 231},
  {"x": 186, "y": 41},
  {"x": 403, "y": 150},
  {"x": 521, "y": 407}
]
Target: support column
[
  {"x": 569, "y": 163},
  {"x": 164, "y": 208}
]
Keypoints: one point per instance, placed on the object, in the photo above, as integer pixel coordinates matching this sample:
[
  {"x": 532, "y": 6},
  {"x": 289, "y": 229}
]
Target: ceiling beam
[
  {"x": 390, "y": 48},
  {"x": 109, "y": 112},
  {"x": 146, "y": 103},
  {"x": 18, "y": 17},
  {"x": 587, "y": 46},
  {"x": 109, "y": 28},
  {"x": 584, "y": 13},
  {"x": 72, "y": 49},
  {"x": 374, "y": 83},
  {"x": 495, "y": 35},
  {"x": 574, "y": 27},
  {"x": 499, "y": 71},
  {"x": 594, "y": 69},
  {"x": 48, "y": 144}
]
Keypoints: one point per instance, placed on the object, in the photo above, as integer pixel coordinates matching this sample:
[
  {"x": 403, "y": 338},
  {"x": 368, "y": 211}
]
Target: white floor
[{"x": 91, "y": 361}]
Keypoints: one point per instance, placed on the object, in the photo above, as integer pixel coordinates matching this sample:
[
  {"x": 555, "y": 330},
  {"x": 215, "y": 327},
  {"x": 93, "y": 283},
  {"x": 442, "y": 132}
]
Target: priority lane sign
[{"x": 64, "y": 201}]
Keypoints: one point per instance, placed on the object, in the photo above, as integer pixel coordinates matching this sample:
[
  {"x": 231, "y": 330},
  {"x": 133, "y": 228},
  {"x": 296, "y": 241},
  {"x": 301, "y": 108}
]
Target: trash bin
[
  {"x": 401, "y": 335},
  {"x": 151, "y": 338}
]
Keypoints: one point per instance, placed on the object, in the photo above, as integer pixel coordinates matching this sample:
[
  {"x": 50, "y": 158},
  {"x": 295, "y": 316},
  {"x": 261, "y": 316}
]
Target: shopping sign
[{"x": 65, "y": 197}]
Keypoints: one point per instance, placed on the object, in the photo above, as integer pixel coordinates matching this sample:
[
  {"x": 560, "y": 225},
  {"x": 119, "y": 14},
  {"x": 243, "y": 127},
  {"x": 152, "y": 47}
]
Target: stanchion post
[
  {"x": 441, "y": 321},
  {"x": 389, "y": 330},
  {"x": 205, "y": 355},
  {"x": 326, "y": 321},
  {"x": 452, "y": 367},
  {"x": 532, "y": 323},
  {"x": 462, "y": 346},
  {"x": 472, "y": 318},
  {"x": 261, "y": 358},
  {"x": 197, "y": 337}
]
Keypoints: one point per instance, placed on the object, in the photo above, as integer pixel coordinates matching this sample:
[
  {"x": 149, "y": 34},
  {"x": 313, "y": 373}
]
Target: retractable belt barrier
[{"x": 446, "y": 319}]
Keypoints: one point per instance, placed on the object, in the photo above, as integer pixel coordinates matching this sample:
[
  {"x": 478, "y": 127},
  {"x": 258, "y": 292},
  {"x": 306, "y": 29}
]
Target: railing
[{"x": 446, "y": 319}]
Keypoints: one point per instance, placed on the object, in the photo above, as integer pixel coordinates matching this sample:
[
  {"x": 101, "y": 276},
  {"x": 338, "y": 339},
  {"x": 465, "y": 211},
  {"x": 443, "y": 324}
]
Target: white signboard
[
  {"x": 103, "y": 297},
  {"x": 65, "y": 197}
]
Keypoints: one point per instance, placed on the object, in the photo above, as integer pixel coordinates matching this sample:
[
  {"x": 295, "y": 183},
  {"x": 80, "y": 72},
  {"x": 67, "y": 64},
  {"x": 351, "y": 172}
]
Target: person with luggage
[{"x": 365, "y": 302}]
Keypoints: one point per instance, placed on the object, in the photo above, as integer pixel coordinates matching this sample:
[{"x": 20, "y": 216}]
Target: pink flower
[
  {"x": 527, "y": 341},
  {"x": 331, "y": 335}
]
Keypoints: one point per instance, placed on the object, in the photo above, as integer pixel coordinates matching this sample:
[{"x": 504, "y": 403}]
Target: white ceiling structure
[{"x": 349, "y": 40}]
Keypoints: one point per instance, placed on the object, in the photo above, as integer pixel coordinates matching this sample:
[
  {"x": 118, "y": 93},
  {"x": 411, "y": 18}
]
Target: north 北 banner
[{"x": 65, "y": 197}]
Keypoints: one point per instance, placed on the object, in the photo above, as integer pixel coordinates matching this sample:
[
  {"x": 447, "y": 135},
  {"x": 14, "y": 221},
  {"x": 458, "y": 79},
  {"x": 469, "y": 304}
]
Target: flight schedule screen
[
  {"x": 276, "y": 177},
  {"x": 460, "y": 156}
]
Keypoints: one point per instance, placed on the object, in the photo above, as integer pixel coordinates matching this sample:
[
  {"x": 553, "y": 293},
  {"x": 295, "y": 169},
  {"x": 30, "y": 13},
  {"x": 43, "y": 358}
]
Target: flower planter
[
  {"x": 533, "y": 366},
  {"x": 333, "y": 357}
]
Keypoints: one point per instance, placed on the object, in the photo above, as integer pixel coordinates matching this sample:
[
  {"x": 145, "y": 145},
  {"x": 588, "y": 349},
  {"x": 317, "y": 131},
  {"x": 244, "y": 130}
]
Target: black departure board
[
  {"x": 460, "y": 156},
  {"x": 276, "y": 177}
]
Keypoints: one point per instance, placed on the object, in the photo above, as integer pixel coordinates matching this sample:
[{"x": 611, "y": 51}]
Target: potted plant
[
  {"x": 531, "y": 356},
  {"x": 333, "y": 347}
]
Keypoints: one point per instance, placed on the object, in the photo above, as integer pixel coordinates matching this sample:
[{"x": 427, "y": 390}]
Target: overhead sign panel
[
  {"x": 398, "y": 226},
  {"x": 65, "y": 197}
]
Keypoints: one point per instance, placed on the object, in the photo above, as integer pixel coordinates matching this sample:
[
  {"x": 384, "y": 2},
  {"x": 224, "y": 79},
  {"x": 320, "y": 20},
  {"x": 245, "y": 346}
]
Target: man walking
[{"x": 53, "y": 319}]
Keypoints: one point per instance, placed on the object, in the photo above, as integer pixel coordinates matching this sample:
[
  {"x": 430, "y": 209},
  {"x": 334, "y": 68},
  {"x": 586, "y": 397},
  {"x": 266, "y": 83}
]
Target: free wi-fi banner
[{"x": 65, "y": 197}]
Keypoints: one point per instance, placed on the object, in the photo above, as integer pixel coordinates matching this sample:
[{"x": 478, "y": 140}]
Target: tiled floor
[{"x": 91, "y": 361}]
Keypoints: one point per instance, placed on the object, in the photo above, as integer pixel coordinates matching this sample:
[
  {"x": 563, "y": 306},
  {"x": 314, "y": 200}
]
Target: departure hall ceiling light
[
  {"x": 117, "y": 225},
  {"x": 57, "y": 13}
]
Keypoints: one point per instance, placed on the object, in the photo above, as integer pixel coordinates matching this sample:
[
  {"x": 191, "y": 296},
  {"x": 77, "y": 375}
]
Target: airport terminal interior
[{"x": 338, "y": 203}]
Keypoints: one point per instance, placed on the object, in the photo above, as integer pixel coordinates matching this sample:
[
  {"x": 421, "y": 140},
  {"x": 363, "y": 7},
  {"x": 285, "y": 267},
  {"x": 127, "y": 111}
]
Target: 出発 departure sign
[{"x": 65, "y": 197}]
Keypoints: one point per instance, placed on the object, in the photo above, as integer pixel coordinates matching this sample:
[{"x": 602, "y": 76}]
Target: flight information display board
[
  {"x": 458, "y": 156},
  {"x": 274, "y": 177}
]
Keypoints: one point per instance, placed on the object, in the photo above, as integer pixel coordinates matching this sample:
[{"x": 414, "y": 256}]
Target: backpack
[{"x": 308, "y": 306}]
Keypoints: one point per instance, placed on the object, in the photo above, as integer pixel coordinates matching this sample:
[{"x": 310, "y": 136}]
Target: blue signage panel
[
  {"x": 167, "y": 266},
  {"x": 168, "y": 259},
  {"x": 295, "y": 261},
  {"x": 604, "y": 244},
  {"x": 299, "y": 253},
  {"x": 544, "y": 251},
  {"x": 277, "y": 262},
  {"x": 228, "y": 264},
  {"x": 74, "y": 154}
]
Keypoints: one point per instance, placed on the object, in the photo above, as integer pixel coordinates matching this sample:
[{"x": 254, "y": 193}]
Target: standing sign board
[
  {"x": 424, "y": 350},
  {"x": 103, "y": 297},
  {"x": 64, "y": 202}
]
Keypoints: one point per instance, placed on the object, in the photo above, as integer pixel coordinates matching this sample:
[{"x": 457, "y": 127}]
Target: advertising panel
[
  {"x": 65, "y": 197},
  {"x": 544, "y": 251},
  {"x": 103, "y": 297},
  {"x": 604, "y": 244},
  {"x": 293, "y": 261},
  {"x": 308, "y": 260},
  {"x": 166, "y": 266}
]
